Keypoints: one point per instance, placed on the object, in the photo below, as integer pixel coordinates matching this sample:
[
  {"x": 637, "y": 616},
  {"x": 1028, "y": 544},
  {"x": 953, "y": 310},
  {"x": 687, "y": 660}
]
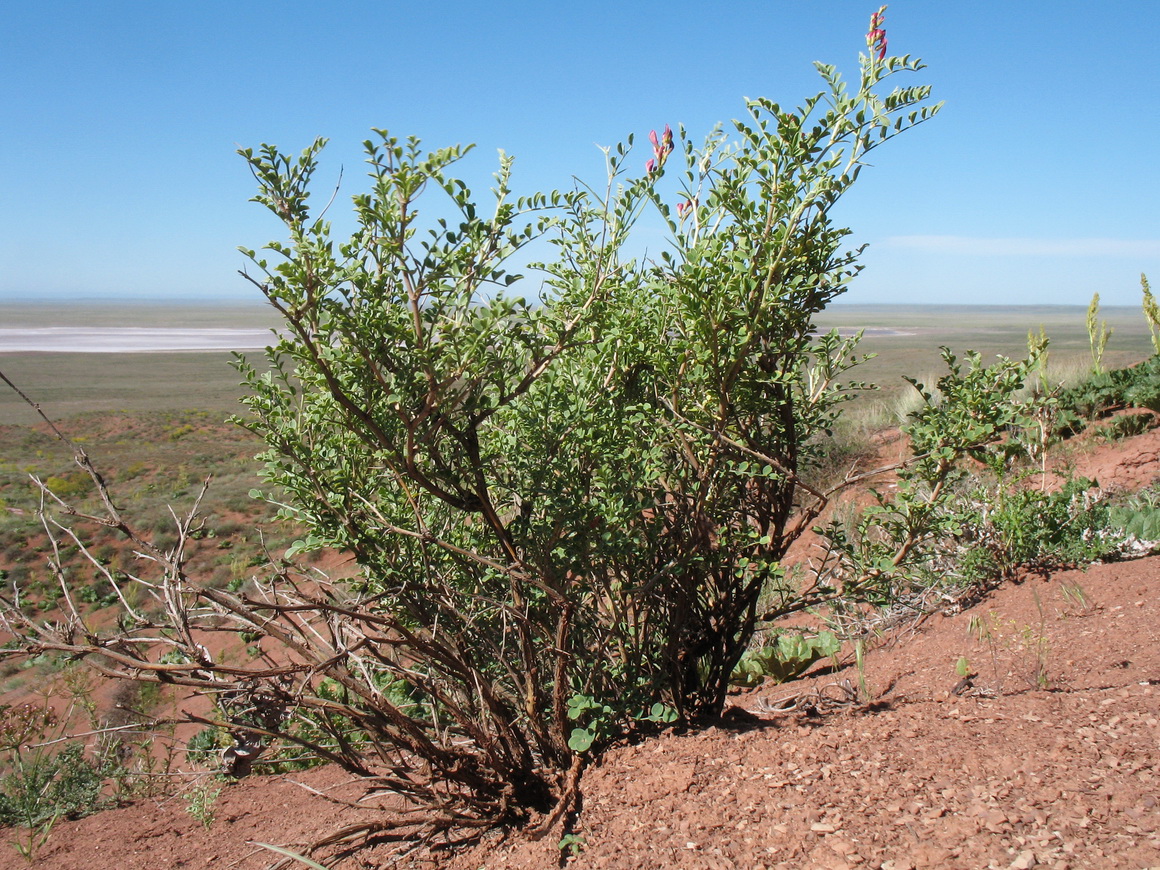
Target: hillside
[{"x": 1047, "y": 756}]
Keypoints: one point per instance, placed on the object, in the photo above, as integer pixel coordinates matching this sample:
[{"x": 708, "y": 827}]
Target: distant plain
[{"x": 67, "y": 384}]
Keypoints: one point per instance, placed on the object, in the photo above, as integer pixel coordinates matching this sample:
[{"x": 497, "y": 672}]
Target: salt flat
[
  {"x": 130, "y": 339},
  {"x": 156, "y": 339}
]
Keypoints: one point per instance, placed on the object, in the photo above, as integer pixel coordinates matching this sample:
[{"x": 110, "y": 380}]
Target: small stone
[
  {"x": 1024, "y": 861},
  {"x": 822, "y": 828}
]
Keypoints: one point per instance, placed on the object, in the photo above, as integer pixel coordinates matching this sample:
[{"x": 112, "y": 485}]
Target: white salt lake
[
  {"x": 158, "y": 339},
  {"x": 130, "y": 339}
]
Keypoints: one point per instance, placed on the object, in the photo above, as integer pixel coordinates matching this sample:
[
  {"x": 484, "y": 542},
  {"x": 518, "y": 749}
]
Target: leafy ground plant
[
  {"x": 967, "y": 513},
  {"x": 565, "y": 506},
  {"x": 789, "y": 655},
  {"x": 200, "y": 803},
  {"x": 46, "y": 776}
]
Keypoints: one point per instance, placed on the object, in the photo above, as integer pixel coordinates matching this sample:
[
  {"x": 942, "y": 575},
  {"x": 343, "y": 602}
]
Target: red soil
[{"x": 1001, "y": 774}]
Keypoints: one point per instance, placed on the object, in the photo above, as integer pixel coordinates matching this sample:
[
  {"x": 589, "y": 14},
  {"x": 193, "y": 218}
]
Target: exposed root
[{"x": 567, "y": 799}]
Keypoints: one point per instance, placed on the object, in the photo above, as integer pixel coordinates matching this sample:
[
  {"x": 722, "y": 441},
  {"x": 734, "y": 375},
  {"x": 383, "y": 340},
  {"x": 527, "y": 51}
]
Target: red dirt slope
[{"x": 1004, "y": 774}]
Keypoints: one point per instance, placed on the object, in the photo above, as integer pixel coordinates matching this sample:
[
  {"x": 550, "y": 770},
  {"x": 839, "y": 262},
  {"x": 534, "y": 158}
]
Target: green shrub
[
  {"x": 564, "y": 511},
  {"x": 72, "y": 485},
  {"x": 482, "y": 456}
]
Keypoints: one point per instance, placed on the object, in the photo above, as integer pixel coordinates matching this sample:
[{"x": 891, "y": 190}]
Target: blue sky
[{"x": 1038, "y": 183}]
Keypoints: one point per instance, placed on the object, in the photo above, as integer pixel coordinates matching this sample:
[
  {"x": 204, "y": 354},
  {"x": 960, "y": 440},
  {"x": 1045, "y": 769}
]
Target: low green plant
[
  {"x": 205, "y": 747},
  {"x": 1074, "y": 593},
  {"x": 293, "y": 856},
  {"x": 981, "y": 627},
  {"x": 963, "y": 667},
  {"x": 597, "y": 720},
  {"x": 34, "y": 838},
  {"x": 789, "y": 656},
  {"x": 1035, "y": 643},
  {"x": 1138, "y": 517},
  {"x": 571, "y": 845},
  {"x": 864, "y": 695},
  {"x": 201, "y": 803},
  {"x": 43, "y": 780},
  {"x": 1007, "y": 527},
  {"x": 1100, "y": 395},
  {"x": 1126, "y": 426},
  {"x": 1013, "y": 647},
  {"x": 1039, "y": 429}
]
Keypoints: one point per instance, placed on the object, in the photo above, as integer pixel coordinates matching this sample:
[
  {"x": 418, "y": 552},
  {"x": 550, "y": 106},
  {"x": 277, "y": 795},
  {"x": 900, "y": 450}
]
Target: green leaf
[
  {"x": 581, "y": 740},
  {"x": 826, "y": 644}
]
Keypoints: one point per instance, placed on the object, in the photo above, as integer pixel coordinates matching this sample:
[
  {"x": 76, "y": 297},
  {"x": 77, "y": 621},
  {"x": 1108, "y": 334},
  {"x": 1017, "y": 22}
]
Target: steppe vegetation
[{"x": 570, "y": 516}]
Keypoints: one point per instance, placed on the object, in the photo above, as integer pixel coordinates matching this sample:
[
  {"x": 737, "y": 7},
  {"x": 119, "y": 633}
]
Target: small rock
[{"x": 1025, "y": 861}]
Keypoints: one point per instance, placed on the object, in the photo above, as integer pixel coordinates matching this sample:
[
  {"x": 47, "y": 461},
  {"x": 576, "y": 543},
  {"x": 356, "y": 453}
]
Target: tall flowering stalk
[
  {"x": 876, "y": 36},
  {"x": 1151, "y": 312}
]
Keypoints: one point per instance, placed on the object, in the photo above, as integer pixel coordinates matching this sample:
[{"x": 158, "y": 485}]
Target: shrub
[
  {"x": 564, "y": 511},
  {"x": 582, "y": 497},
  {"x": 68, "y": 486}
]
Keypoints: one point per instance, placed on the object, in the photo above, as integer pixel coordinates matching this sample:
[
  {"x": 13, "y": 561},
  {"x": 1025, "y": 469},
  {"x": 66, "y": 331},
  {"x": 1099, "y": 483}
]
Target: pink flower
[
  {"x": 684, "y": 209},
  {"x": 662, "y": 147},
  {"x": 876, "y": 37}
]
